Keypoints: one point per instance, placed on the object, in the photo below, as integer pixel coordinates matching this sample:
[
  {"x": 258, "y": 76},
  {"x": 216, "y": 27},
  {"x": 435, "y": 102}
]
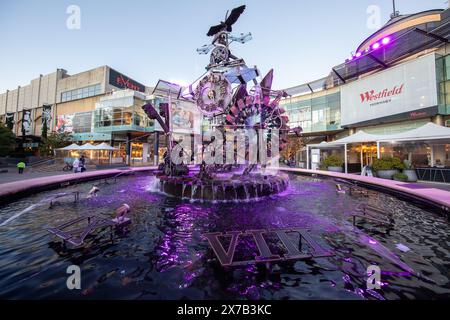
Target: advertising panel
[
  {"x": 119, "y": 80},
  {"x": 186, "y": 119},
  {"x": 65, "y": 123},
  {"x": 402, "y": 89},
  {"x": 26, "y": 122}
]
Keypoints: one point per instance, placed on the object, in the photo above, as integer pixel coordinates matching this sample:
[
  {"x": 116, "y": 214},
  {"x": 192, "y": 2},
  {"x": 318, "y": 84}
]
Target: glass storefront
[
  {"x": 443, "y": 83},
  {"x": 421, "y": 154},
  {"x": 120, "y": 114},
  {"x": 315, "y": 114}
]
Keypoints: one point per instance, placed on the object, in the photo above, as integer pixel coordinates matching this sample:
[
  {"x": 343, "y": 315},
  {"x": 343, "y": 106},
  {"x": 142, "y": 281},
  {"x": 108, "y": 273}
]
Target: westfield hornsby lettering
[{"x": 372, "y": 96}]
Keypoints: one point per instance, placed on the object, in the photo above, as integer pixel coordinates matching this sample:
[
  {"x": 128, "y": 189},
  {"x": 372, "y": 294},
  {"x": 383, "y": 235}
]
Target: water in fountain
[{"x": 164, "y": 255}]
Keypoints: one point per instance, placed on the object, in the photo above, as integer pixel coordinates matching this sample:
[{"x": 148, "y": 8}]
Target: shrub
[
  {"x": 388, "y": 163},
  {"x": 408, "y": 165},
  {"x": 7, "y": 140},
  {"x": 332, "y": 161},
  {"x": 400, "y": 177}
]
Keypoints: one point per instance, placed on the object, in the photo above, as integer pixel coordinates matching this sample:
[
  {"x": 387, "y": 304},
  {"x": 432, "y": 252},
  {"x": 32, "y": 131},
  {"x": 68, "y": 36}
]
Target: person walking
[
  {"x": 76, "y": 165},
  {"x": 82, "y": 163},
  {"x": 21, "y": 167}
]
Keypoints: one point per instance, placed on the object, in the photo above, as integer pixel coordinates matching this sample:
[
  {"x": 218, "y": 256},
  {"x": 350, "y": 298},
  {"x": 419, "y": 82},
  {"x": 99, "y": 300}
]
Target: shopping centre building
[
  {"x": 398, "y": 79},
  {"x": 98, "y": 105}
]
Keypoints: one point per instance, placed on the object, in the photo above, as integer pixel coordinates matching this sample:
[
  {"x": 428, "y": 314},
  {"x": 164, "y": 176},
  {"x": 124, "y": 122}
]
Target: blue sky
[{"x": 149, "y": 40}]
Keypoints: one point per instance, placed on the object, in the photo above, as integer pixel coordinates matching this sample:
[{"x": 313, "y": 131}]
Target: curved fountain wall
[{"x": 252, "y": 187}]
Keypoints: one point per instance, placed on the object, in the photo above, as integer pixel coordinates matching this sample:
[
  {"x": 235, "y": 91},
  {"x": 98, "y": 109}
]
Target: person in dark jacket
[{"x": 82, "y": 163}]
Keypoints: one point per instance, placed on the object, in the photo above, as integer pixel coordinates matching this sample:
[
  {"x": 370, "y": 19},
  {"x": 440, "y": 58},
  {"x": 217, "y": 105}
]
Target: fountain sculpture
[{"x": 222, "y": 93}]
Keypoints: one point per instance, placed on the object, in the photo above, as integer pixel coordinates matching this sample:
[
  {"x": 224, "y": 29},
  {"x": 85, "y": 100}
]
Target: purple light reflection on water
[{"x": 164, "y": 256}]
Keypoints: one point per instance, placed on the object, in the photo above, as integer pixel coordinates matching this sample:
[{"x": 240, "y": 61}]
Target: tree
[
  {"x": 44, "y": 129},
  {"x": 7, "y": 140},
  {"x": 54, "y": 141},
  {"x": 294, "y": 145}
]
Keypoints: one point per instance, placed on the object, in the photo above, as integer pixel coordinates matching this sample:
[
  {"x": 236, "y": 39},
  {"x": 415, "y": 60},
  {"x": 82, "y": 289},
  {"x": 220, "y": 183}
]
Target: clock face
[
  {"x": 213, "y": 94},
  {"x": 219, "y": 54}
]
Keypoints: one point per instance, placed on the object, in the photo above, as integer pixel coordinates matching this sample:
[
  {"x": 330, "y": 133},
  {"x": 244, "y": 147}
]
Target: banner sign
[
  {"x": 401, "y": 89},
  {"x": 46, "y": 116},
  {"x": 10, "y": 120},
  {"x": 186, "y": 119},
  {"x": 119, "y": 80},
  {"x": 65, "y": 123},
  {"x": 26, "y": 122}
]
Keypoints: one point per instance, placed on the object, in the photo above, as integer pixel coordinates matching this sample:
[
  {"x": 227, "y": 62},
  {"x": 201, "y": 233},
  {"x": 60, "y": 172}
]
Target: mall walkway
[{"x": 12, "y": 175}]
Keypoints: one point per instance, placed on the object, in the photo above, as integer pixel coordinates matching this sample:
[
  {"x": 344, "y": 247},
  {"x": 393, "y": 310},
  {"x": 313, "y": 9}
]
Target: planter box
[
  {"x": 386, "y": 174},
  {"x": 335, "y": 169},
  {"x": 412, "y": 176}
]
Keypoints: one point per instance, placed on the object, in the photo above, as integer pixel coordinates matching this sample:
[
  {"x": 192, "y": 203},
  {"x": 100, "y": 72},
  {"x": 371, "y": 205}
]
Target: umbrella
[
  {"x": 87, "y": 146},
  {"x": 73, "y": 146},
  {"x": 105, "y": 146}
]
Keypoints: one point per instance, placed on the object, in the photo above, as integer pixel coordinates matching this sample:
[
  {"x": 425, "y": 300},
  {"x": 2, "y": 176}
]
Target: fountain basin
[{"x": 224, "y": 188}]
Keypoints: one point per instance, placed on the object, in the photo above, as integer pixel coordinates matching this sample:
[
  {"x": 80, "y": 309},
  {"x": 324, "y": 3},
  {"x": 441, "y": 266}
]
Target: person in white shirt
[{"x": 76, "y": 165}]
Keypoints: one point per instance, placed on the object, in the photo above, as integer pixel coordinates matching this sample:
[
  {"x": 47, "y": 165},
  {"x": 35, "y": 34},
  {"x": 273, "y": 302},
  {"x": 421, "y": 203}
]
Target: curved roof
[{"x": 400, "y": 23}]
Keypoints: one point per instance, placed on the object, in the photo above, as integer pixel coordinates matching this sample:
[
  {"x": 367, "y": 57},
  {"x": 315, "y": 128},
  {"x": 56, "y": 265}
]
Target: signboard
[
  {"x": 26, "y": 122},
  {"x": 119, "y": 80},
  {"x": 46, "y": 115},
  {"x": 10, "y": 120},
  {"x": 186, "y": 119},
  {"x": 406, "y": 88},
  {"x": 65, "y": 123}
]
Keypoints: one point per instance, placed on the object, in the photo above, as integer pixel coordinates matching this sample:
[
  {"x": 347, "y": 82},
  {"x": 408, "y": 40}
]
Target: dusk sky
[{"x": 151, "y": 40}]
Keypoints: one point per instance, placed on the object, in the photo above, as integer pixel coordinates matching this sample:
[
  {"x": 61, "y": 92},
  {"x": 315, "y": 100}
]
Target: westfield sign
[{"x": 373, "y": 96}]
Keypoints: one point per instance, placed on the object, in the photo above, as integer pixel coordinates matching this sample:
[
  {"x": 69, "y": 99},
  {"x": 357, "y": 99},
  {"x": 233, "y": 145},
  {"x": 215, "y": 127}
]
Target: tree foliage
[
  {"x": 54, "y": 141},
  {"x": 388, "y": 163},
  {"x": 332, "y": 161},
  {"x": 7, "y": 140},
  {"x": 294, "y": 145}
]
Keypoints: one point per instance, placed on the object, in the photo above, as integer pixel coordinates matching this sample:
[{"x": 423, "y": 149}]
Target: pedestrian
[
  {"x": 82, "y": 163},
  {"x": 76, "y": 165},
  {"x": 21, "y": 167}
]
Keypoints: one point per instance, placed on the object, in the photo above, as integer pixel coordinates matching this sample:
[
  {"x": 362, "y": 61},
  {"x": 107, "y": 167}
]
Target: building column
[
  {"x": 345, "y": 158},
  {"x": 362, "y": 158},
  {"x": 431, "y": 156},
  {"x": 156, "y": 148},
  {"x": 307, "y": 157},
  {"x": 128, "y": 150},
  {"x": 438, "y": 119},
  {"x": 378, "y": 150},
  {"x": 111, "y": 143}
]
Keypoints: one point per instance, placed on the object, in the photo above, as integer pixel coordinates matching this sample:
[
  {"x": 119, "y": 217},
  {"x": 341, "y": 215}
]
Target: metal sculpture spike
[
  {"x": 240, "y": 93},
  {"x": 266, "y": 83}
]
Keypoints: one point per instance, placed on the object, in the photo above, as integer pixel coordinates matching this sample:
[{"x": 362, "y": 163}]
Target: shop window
[{"x": 81, "y": 93}]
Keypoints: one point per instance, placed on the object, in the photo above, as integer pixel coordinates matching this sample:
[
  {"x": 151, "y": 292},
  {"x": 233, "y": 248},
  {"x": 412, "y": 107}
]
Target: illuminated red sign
[
  {"x": 372, "y": 96},
  {"x": 121, "y": 81}
]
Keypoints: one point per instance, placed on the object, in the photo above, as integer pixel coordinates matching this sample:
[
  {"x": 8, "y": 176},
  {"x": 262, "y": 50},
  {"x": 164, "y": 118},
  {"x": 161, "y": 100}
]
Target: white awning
[
  {"x": 429, "y": 131},
  {"x": 87, "y": 146},
  {"x": 359, "y": 137},
  {"x": 104, "y": 146},
  {"x": 73, "y": 146}
]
